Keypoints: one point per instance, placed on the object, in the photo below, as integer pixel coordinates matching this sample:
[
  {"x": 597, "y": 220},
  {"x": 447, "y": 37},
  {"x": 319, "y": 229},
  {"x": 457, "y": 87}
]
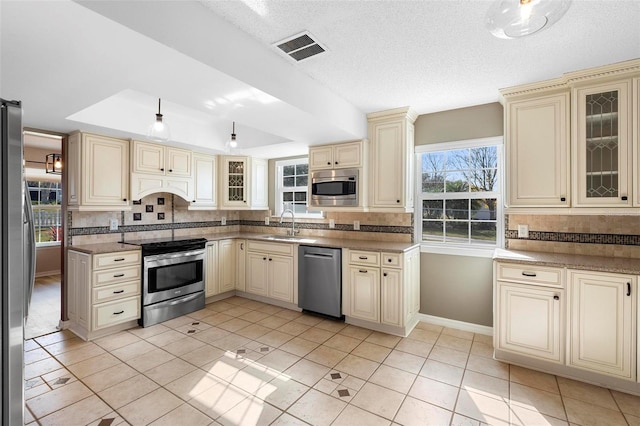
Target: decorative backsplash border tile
[{"x": 577, "y": 237}]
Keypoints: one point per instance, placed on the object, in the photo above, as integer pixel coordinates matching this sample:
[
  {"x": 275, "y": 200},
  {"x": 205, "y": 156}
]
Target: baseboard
[
  {"x": 460, "y": 325},
  {"x": 47, "y": 273},
  {"x": 63, "y": 325}
]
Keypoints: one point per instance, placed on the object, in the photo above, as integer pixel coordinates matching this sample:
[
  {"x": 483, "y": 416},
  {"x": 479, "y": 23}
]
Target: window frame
[
  {"x": 46, "y": 207},
  {"x": 280, "y": 189},
  {"x": 451, "y": 248}
]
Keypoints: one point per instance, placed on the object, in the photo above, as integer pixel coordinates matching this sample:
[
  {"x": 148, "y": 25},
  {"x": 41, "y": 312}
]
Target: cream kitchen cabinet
[
  {"x": 211, "y": 269},
  {"x": 635, "y": 121},
  {"x": 391, "y": 160},
  {"x": 530, "y": 311},
  {"x": 103, "y": 292},
  {"x": 158, "y": 168},
  {"x": 220, "y": 272},
  {"x": 98, "y": 173},
  {"x": 336, "y": 156},
  {"x": 243, "y": 183},
  {"x": 270, "y": 270},
  {"x": 204, "y": 182},
  {"x": 241, "y": 261},
  {"x": 381, "y": 290},
  {"x": 602, "y": 318},
  {"x": 537, "y": 150}
]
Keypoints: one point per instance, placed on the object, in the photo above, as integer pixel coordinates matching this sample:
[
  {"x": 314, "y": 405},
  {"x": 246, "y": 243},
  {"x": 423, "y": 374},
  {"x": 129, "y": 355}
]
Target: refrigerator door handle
[{"x": 31, "y": 242}]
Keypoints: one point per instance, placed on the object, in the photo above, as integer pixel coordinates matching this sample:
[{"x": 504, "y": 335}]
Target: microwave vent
[{"x": 300, "y": 47}]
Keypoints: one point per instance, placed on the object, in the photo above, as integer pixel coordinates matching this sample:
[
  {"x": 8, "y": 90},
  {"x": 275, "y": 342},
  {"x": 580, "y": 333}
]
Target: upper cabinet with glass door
[{"x": 602, "y": 143}]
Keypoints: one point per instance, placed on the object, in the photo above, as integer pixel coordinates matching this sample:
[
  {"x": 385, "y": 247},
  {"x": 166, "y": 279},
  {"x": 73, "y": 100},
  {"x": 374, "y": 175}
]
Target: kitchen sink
[{"x": 287, "y": 238}]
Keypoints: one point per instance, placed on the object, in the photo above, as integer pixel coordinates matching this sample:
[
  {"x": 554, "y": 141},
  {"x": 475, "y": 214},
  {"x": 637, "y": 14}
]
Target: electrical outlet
[
  {"x": 223, "y": 221},
  {"x": 523, "y": 231},
  {"x": 266, "y": 220},
  {"x": 332, "y": 223},
  {"x": 356, "y": 225},
  {"x": 113, "y": 224}
]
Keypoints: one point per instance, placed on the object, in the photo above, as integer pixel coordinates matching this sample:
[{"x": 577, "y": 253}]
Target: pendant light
[
  {"x": 53, "y": 164},
  {"x": 519, "y": 18},
  {"x": 232, "y": 142},
  {"x": 159, "y": 130}
]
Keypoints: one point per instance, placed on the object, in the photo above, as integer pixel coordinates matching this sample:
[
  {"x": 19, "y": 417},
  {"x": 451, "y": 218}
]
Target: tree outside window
[{"x": 46, "y": 201}]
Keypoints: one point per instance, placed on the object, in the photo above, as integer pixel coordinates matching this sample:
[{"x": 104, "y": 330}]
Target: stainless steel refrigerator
[{"x": 18, "y": 261}]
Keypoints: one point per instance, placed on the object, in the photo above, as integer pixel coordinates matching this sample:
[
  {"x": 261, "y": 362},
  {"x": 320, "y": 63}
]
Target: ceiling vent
[{"x": 300, "y": 47}]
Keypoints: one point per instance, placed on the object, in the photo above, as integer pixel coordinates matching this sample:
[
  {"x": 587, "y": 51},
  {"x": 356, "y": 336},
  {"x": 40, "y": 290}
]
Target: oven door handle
[
  {"x": 186, "y": 298},
  {"x": 175, "y": 255}
]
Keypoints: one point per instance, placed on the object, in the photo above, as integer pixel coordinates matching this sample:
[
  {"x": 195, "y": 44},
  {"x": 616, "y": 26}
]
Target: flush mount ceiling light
[
  {"x": 158, "y": 130},
  {"x": 519, "y": 18},
  {"x": 53, "y": 164}
]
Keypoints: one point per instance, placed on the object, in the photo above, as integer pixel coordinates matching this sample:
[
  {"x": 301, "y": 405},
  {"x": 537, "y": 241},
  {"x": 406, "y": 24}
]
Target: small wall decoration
[
  {"x": 160, "y": 201},
  {"x": 160, "y": 216},
  {"x": 137, "y": 216},
  {"x": 149, "y": 208},
  {"x": 137, "y": 202}
]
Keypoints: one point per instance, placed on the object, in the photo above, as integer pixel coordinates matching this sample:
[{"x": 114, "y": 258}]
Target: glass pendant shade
[
  {"x": 159, "y": 130},
  {"x": 519, "y": 18},
  {"x": 233, "y": 143},
  {"x": 53, "y": 164}
]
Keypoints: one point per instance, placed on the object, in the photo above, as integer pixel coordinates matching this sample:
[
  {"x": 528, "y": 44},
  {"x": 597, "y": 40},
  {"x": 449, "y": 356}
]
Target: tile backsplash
[
  {"x": 165, "y": 215},
  {"x": 597, "y": 235}
]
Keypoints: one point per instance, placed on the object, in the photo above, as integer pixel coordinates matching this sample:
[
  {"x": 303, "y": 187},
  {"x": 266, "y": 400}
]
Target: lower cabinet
[
  {"x": 103, "y": 292},
  {"x": 381, "y": 288},
  {"x": 270, "y": 270},
  {"x": 221, "y": 267}
]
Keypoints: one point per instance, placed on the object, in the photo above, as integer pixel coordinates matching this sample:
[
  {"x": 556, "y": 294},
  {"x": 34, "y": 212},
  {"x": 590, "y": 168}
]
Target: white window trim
[
  {"x": 277, "y": 202},
  {"x": 453, "y": 248}
]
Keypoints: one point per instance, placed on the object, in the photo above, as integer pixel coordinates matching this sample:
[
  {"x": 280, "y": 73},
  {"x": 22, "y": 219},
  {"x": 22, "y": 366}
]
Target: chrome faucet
[{"x": 293, "y": 231}]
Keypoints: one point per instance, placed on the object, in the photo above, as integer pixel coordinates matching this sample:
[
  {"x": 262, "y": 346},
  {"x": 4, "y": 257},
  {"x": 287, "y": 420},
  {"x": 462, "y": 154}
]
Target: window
[
  {"x": 460, "y": 194},
  {"x": 292, "y": 178},
  {"x": 46, "y": 199}
]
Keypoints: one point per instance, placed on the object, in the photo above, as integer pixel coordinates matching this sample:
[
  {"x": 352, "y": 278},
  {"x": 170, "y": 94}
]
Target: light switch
[{"x": 523, "y": 231}]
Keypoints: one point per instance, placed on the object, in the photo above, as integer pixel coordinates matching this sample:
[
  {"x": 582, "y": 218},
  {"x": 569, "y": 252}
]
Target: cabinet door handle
[
  {"x": 384, "y": 275},
  {"x": 118, "y": 275},
  {"x": 563, "y": 199},
  {"x": 162, "y": 169},
  {"x": 389, "y": 260},
  {"x": 241, "y": 246},
  {"x": 363, "y": 257},
  {"x": 556, "y": 297},
  {"x": 170, "y": 170},
  {"x": 118, "y": 291},
  {"x": 118, "y": 313},
  {"x": 336, "y": 162},
  {"x": 270, "y": 259},
  {"x": 628, "y": 289},
  {"x": 363, "y": 271},
  {"x": 120, "y": 259},
  {"x": 624, "y": 198},
  {"x": 529, "y": 274},
  {"x": 264, "y": 258},
  {"x": 397, "y": 201}
]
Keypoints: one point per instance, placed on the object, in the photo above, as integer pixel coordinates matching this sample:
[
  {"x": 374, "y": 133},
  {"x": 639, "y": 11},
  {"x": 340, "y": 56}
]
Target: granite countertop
[
  {"x": 574, "y": 261},
  {"x": 103, "y": 248}
]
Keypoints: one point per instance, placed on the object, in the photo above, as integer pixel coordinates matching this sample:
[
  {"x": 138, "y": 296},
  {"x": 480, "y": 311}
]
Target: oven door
[{"x": 171, "y": 275}]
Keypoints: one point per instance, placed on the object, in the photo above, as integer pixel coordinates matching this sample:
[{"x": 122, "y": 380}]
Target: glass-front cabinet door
[
  {"x": 602, "y": 141},
  {"x": 234, "y": 180}
]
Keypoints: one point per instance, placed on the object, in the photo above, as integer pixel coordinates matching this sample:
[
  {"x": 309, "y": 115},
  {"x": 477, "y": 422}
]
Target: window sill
[
  {"x": 48, "y": 244},
  {"x": 470, "y": 251}
]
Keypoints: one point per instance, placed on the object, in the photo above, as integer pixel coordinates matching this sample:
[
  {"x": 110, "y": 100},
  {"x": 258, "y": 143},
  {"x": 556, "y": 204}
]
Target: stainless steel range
[{"x": 172, "y": 278}]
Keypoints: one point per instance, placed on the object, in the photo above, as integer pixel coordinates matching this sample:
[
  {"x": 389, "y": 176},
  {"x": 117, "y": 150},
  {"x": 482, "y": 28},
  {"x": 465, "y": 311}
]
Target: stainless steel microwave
[{"x": 334, "y": 188}]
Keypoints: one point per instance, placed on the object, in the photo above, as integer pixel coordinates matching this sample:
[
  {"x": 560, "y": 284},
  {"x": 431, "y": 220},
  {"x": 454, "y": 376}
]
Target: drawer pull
[
  {"x": 118, "y": 291},
  {"x": 628, "y": 289},
  {"x": 363, "y": 271},
  {"x": 389, "y": 260},
  {"x": 118, "y": 313},
  {"x": 363, "y": 257},
  {"x": 385, "y": 274},
  {"x": 118, "y": 275},
  {"x": 120, "y": 259},
  {"x": 529, "y": 274},
  {"x": 556, "y": 297}
]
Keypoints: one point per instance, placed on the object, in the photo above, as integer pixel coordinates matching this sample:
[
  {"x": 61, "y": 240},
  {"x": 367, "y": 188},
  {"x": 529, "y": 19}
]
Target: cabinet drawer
[
  {"x": 111, "y": 313},
  {"x": 393, "y": 260},
  {"x": 364, "y": 257},
  {"x": 115, "y": 292},
  {"x": 110, "y": 260},
  {"x": 116, "y": 275},
  {"x": 276, "y": 248},
  {"x": 540, "y": 275}
]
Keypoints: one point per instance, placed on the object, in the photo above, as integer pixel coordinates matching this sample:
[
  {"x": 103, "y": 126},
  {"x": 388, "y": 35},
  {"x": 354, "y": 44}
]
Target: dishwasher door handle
[{"x": 319, "y": 255}]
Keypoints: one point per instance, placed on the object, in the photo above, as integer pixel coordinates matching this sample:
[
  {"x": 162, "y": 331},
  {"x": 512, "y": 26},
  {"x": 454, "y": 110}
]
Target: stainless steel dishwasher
[{"x": 320, "y": 280}]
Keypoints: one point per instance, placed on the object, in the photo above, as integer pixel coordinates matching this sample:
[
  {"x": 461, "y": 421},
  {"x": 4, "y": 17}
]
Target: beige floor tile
[
  {"x": 202, "y": 355},
  {"x": 215, "y": 319},
  {"x": 488, "y": 366},
  {"x": 429, "y": 327},
  {"x": 534, "y": 379},
  {"x": 30, "y": 345},
  {"x": 151, "y": 359},
  {"x": 459, "y": 420},
  {"x": 77, "y": 355},
  {"x": 587, "y": 393},
  {"x": 523, "y": 417},
  {"x": 211, "y": 335},
  {"x": 486, "y": 385},
  {"x": 405, "y": 361},
  {"x": 59, "y": 336},
  {"x": 34, "y": 355},
  {"x": 352, "y": 415},
  {"x": 179, "y": 321},
  {"x": 231, "y": 342},
  {"x": 288, "y": 420},
  {"x": 252, "y": 377},
  {"x": 218, "y": 399},
  {"x": 419, "y": 413},
  {"x": 483, "y": 408},
  {"x": 274, "y": 338},
  {"x": 274, "y": 322},
  {"x": 294, "y": 328},
  {"x": 200, "y": 314},
  {"x": 343, "y": 343},
  {"x": 117, "y": 340},
  {"x": 28, "y": 417},
  {"x": 234, "y": 324},
  {"x": 414, "y": 347},
  {"x": 483, "y": 338},
  {"x": 41, "y": 367},
  {"x": 288, "y": 314},
  {"x": 307, "y": 372},
  {"x": 269, "y": 309},
  {"x": 442, "y": 372},
  {"x": 133, "y": 350},
  {"x": 587, "y": 413},
  {"x": 56, "y": 399},
  {"x": 150, "y": 407},
  {"x": 58, "y": 378},
  {"x": 468, "y": 335},
  {"x": 147, "y": 332},
  {"x": 253, "y": 331},
  {"x": 281, "y": 392},
  {"x": 127, "y": 391},
  {"x": 393, "y": 378},
  {"x": 632, "y": 420},
  {"x": 383, "y": 339},
  {"x": 299, "y": 346},
  {"x": 81, "y": 413},
  {"x": 537, "y": 400},
  {"x": 326, "y": 356},
  {"x": 192, "y": 384},
  {"x": 449, "y": 356},
  {"x": 66, "y": 345},
  {"x": 378, "y": 400},
  {"x": 237, "y": 311},
  {"x": 254, "y": 316},
  {"x": 226, "y": 366},
  {"x": 434, "y": 392},
  {"x": 425, "y": 336},
  {"x": 316, "y": 335},
  {"x": 93, "y": 365},
  {"x": 307, "y": 319},
  {"x": 333, "y": 326},
  {"x": 163, "y": 339},
  {"x": 169, "y": 371},
  {"x": 237, "y": 301},
  {"x": 36, "y": 391},
  {"x": 481, "y": 349},
  {"x": 183, "y": 346},
  {"x": 356, "y": 332},
  {"x": 279, "y": 360},
  {"x": 371, "y": 351},
  {"x": 250, "y": 411},
  {"x": 629, "y": 404},
  {"x": 357, "y": 366},
  {"x": 111, "y": 376},
  {"x": 317, "y": 408},
  {"x": 456, "y": 343}
]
